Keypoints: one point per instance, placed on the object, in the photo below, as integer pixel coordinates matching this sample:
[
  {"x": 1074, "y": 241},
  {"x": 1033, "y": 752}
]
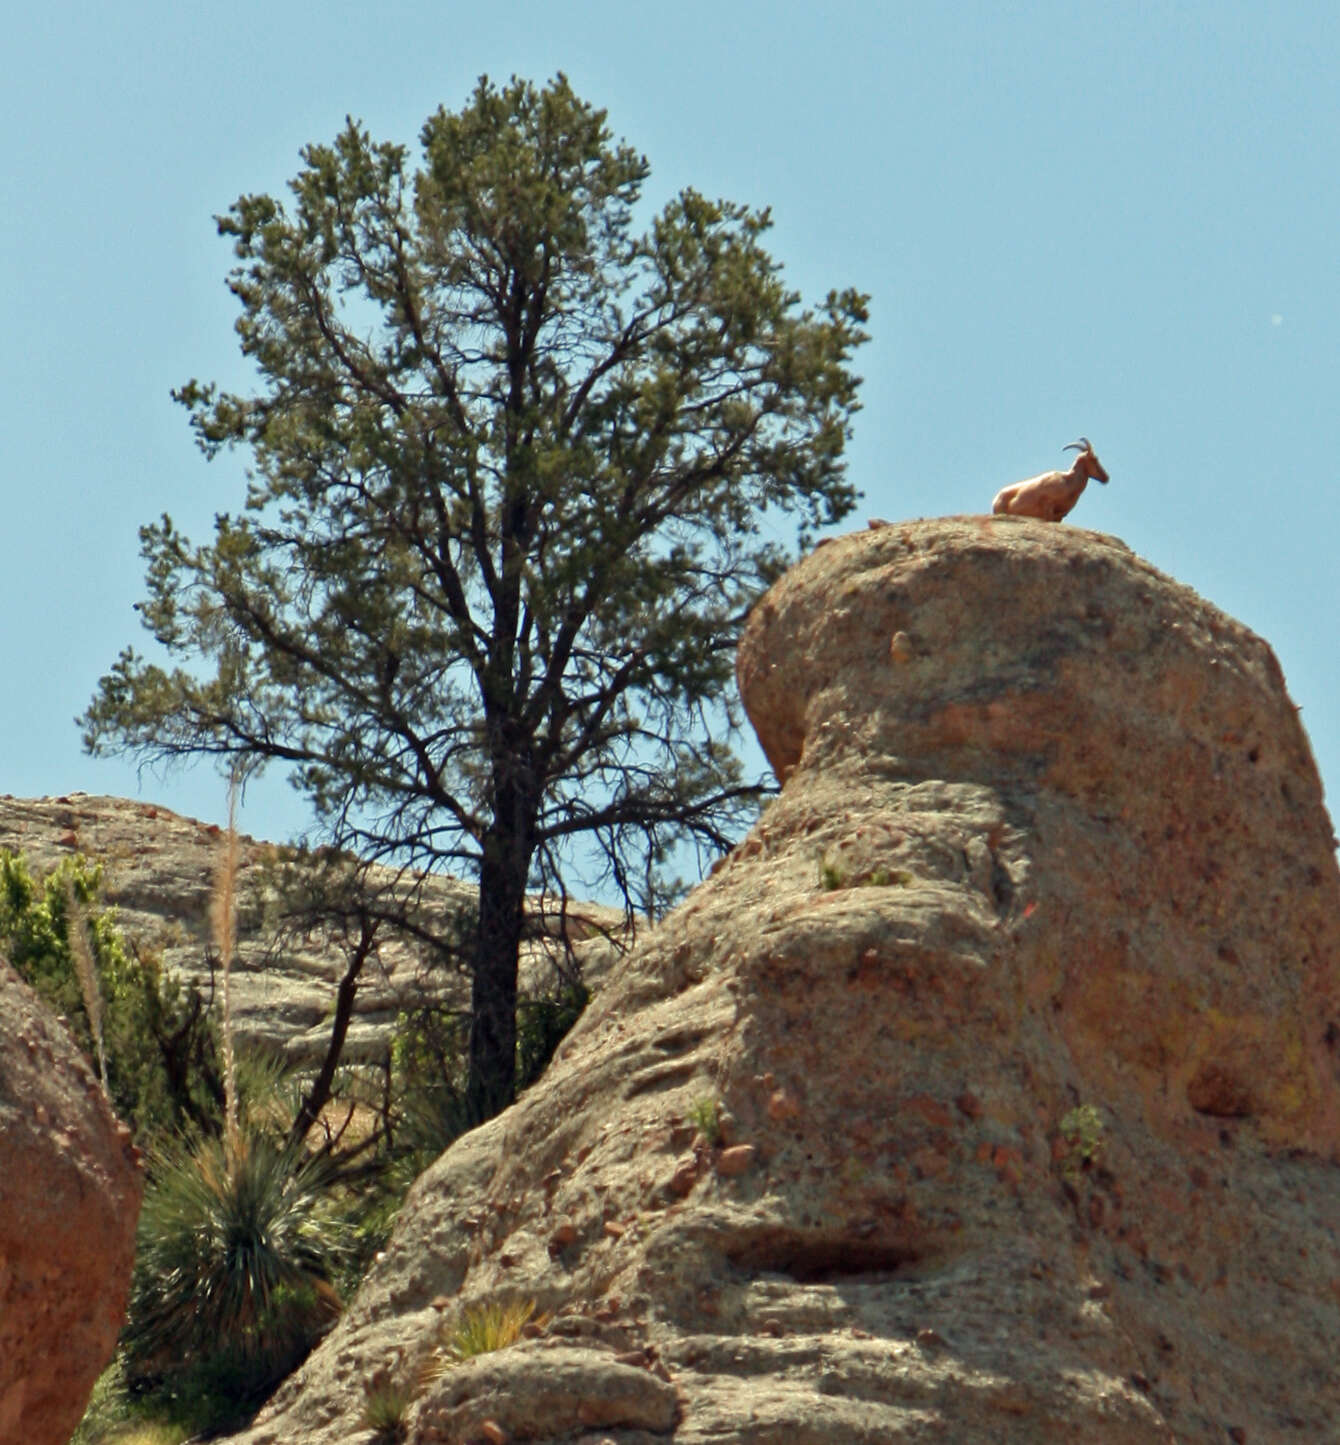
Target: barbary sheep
[{"x": 1050, "y": 496}]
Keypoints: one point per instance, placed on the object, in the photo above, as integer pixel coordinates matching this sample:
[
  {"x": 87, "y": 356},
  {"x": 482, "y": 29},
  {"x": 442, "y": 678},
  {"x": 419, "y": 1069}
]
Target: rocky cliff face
[
  {"x": 158, "y": 873},
  {"x": 69, "y": 1198},
  {"x": 987, "y": 1092}
]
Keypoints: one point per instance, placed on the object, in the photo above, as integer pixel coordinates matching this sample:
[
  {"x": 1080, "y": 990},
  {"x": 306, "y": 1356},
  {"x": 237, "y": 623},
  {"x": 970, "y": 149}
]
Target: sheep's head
[{"x": 1087, "y": 462}]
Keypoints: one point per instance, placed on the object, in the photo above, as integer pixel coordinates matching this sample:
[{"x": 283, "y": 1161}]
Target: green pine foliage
[{"x": 521, "y": 457}]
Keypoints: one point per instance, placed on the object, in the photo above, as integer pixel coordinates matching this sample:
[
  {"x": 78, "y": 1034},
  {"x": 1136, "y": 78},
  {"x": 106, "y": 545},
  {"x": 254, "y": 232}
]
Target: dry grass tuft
[
  {"x": 478, "y": 1330},
  {"x": 86, "y": 968},
  {"x": 223, "y": 924}
]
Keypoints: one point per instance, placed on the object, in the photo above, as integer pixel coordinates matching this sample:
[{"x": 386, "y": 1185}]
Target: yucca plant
[{"x": 237, "y": 1248}]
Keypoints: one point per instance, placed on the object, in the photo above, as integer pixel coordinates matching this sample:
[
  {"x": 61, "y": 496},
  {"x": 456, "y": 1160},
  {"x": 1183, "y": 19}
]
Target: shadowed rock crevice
[
  {"x": 1014, "y": 1020},
  {"x": 820, "y": 1256}
]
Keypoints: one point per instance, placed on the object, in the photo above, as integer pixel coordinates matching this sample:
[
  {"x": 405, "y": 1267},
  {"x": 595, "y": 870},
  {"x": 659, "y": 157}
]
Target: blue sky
[{"x": 1116, "y": 220}]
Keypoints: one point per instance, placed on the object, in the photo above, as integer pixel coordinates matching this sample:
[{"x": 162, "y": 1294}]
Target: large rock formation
[
  {"x": 69, "y": 1200},
  {"x": 1020, "y": 1009},
  {"x": 158, "y": 873}
]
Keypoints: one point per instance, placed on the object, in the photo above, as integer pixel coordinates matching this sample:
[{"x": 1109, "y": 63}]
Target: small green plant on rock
[
  {"x": 705, "y": 1116},
  {"x": 484, "y": 1328},
  {"x": 385, "y": 1403},
  {"x": 831, "y": 876},
  {"x": 887, "y": 878},
  {"x": 1083, "y": 1135}
]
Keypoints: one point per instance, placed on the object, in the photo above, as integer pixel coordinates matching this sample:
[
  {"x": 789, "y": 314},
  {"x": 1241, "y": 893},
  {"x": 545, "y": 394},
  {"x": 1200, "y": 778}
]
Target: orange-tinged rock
[
  {"x": 735, "y": 1160},
  {"x": 782, "y": 1106},
  {"x": 70, "y": 1188}
]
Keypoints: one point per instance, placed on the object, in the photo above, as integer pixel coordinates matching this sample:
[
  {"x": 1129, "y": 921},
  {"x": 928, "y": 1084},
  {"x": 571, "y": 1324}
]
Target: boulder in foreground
[{"x": 69, "y": 1200}]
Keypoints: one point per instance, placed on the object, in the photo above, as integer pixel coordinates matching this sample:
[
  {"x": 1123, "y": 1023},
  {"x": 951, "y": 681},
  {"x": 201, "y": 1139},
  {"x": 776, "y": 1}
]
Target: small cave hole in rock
[{"x": 819, "y": 1258}]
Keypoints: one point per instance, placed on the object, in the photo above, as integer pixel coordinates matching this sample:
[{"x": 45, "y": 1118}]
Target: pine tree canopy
[{"x": 519, "y": 463}]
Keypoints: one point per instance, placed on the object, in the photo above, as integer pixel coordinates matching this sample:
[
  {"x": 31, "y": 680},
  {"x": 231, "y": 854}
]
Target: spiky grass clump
[
  {"x": 237, "y": 1248},
  {"x": 705, "y": 1116},
  {"x": 478, "y": 1330},
  {"x": 482, "y": 1329},
  {"x": 385, "y": 1403}
]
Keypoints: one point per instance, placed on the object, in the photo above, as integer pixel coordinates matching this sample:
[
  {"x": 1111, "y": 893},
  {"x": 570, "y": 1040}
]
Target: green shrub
[
  {"x": 541, "y": 1025},
  {"x": 1082, "y": 1132},
  {"x": 429, "y": 1066},
  {"x": 831, "y": 877},
  {"x": 115, "y": 1416},
  {"x": 159, "y": 1046},
  {"x": 232, "y": 1288},
  {"x": 428, "y": 1075}
]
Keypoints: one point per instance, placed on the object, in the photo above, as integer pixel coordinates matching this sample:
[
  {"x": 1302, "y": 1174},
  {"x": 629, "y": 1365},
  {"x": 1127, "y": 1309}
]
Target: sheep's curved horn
[{"x": 1082, "y": 445}]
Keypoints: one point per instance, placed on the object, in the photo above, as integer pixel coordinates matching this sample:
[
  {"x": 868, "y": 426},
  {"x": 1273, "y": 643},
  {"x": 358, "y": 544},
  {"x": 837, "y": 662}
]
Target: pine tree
[{"x": 518, "y": 470}]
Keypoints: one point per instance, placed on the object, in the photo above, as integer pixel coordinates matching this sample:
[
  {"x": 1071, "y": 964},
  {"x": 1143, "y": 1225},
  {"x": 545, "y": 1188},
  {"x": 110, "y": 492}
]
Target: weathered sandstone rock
[
  {"x": 158, "y": 872},
  {"x": 69, "y": 1199},
  {"x": 1020, "y": 1009}
]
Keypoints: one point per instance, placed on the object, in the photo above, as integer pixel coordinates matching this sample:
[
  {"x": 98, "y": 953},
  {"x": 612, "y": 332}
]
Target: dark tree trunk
[
  {"x": 188, "y": 1053},
  {"x": 503, "y": 871},
  {"x": 318, "y": 1096}
]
